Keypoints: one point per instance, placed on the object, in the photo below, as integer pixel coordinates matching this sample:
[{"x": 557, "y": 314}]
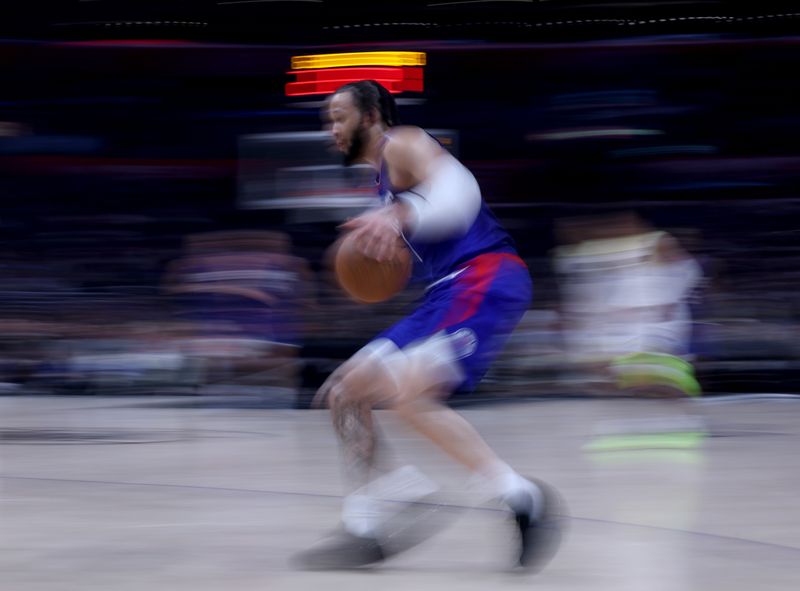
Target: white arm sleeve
[{"x": 445, "y": 205}]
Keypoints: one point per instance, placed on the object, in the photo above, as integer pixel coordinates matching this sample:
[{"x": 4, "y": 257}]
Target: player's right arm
[{"x": 441, "y": 197}]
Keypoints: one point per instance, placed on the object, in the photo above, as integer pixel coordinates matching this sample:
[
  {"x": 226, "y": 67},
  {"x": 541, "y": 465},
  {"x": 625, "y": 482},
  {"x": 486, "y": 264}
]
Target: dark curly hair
[{"x": 368, "y": 95}]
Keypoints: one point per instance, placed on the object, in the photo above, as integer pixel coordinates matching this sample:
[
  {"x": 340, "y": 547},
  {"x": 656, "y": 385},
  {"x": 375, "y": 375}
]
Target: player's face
[{"x": 347, "y": 126}]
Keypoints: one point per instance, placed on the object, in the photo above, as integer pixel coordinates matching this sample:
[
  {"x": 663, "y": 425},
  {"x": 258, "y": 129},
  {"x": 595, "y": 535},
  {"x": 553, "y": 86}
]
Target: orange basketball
[{"x": 367, "y": 280}]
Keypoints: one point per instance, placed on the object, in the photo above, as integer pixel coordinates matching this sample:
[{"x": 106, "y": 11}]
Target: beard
[{"x": 356, "y": 148}]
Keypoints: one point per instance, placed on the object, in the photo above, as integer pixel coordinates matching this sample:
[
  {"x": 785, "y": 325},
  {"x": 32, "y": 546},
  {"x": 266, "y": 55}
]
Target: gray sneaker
[
  {"x": 539, "y": 529},
  {"x": 339, "y": 551},
  {"x": 414, "y": 523},
  {"x": 410, "y": 525}
]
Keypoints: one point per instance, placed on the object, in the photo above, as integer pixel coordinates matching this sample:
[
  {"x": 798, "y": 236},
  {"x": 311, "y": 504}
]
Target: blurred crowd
[
  {"x": 651, "y": 187},
  {"x": 621, "y": 308}
]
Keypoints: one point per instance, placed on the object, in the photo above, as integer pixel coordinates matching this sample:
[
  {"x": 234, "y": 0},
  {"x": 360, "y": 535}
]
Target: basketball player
[
  {"x": 240, "y": 290},
  {"x": 477, "y": 290}
]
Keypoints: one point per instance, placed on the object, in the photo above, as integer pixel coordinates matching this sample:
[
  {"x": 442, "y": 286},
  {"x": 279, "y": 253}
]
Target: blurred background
[{"x": 168, "y": 201}]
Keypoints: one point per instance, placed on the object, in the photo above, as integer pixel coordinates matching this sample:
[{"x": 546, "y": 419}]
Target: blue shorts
[{"x": 481, "y": 305}]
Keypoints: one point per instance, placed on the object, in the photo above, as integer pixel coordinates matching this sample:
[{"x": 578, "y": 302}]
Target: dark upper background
[
  {"x": 121, "y": 121},
  {"x": 155, "y": 94},
  {"x": 327, "y": 21}
]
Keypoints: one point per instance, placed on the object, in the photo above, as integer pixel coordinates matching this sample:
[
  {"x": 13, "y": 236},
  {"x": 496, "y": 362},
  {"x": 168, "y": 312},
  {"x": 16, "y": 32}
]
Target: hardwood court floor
[{"x": 151, "y": 493}]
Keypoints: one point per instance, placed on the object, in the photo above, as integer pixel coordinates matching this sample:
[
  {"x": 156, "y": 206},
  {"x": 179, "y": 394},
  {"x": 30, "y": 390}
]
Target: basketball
[{"x": 365, "y": 279}]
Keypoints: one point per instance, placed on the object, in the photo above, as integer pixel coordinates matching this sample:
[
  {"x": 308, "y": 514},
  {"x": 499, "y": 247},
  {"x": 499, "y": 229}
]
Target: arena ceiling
[{"x": 326, "y": 21}]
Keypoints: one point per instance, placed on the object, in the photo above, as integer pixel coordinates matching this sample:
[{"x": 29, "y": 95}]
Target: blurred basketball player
[
  {"x": 242, "y": 291},
  {"x": 625, "y": 302},
  {"x": 477, "y": 290}
]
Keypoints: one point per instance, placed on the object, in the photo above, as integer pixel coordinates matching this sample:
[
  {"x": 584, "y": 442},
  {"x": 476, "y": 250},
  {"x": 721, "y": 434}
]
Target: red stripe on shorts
[{"x": 474, "y": 283}]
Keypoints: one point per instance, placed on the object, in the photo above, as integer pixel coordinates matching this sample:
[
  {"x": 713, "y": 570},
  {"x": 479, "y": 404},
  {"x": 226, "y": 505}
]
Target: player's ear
[{"x": 372, "y": 117}]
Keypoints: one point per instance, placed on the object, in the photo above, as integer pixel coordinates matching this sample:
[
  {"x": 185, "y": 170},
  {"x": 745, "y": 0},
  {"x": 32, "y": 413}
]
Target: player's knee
[
  {"x": 363, "y": 383},
  {"x": 350, "y": 386}
]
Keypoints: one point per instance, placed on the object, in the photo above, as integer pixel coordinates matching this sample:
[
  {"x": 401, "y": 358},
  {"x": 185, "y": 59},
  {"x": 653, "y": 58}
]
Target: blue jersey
[
  {"x": 479, "y": 289},
  {"x": 435, "y": 260}
]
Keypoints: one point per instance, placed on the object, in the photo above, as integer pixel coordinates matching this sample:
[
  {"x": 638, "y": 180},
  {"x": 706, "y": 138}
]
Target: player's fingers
[
  {"x": 393, "y": 245},
  {"x": 383, "y": 250},
  {"x": 362, "y": 243},
  {"x": 376, "y": 247},
  {"x": 369, "y": 243}
]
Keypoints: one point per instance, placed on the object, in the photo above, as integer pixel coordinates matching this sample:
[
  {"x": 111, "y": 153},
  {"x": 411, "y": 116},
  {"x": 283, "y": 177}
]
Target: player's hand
[{"x": 377, "y": 233}]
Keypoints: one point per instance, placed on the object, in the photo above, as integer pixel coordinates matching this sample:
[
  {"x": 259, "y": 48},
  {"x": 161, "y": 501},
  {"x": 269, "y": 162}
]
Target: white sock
[
  {"x": 361, "y": 515},
  {"x": 364, "y": 510},
  {"x": 501, "y": 481}
]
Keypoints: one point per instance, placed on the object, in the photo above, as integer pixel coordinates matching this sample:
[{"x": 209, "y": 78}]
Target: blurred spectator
[{"x": 244, "y": 295}]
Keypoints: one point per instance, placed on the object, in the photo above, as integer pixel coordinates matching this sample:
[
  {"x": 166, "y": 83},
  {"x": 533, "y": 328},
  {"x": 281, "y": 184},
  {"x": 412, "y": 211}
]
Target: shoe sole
[
  {"x": 413, "y": 524},
  {"x": 342, "y": 551}
]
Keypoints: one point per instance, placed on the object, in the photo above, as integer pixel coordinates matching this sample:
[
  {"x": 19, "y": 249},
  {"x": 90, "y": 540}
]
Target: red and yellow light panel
[
  {"x": 397, "y": 71},
  {"x": 325, "y": 81},
  {"x": 361, "y": 58}
]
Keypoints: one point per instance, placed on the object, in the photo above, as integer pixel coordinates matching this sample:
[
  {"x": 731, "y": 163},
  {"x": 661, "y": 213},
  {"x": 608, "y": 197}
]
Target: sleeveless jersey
[{"x": 434, "y": 261}]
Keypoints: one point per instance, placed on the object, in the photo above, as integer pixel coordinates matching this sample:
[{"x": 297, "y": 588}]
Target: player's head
[{"x": 353, "y": 110}]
